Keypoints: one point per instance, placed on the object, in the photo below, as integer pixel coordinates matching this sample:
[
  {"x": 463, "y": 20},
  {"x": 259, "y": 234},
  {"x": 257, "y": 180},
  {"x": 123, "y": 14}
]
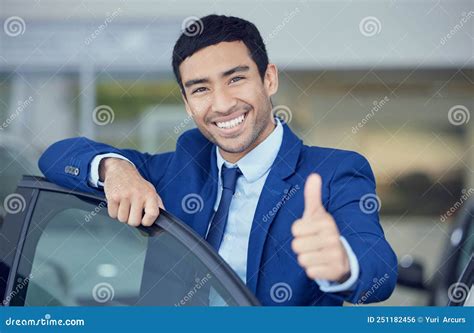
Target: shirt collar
[{"x": 259, "y": 160}]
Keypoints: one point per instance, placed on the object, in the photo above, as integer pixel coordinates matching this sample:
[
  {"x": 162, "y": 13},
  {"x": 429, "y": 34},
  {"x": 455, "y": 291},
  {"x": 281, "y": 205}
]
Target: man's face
[{"x": 227, "y": 98}]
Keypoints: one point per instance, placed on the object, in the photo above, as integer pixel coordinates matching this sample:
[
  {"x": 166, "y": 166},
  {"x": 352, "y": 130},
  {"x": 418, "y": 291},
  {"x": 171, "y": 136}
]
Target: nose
[{"x": 223, "y": 101}]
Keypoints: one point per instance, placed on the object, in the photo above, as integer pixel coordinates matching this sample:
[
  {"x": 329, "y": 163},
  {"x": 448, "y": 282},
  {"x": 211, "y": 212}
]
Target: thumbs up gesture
[{"x": 316, "y": 238}]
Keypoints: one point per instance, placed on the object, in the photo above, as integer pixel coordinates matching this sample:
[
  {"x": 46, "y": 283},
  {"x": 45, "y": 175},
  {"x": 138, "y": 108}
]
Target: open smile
[{"x": 231, "y": 126}]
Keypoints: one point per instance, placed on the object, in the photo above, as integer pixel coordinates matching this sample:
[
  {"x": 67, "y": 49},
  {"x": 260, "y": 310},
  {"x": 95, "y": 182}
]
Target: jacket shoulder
[{"x": 332, "y": 156}]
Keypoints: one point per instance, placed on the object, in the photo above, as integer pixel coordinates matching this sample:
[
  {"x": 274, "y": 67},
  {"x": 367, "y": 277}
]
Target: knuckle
[
  {"x": 112, "y": 213},
  {"x": 115, "y": 197},
  {"x": 295, "y": 245},
  {"x": 302, "y": 260}
]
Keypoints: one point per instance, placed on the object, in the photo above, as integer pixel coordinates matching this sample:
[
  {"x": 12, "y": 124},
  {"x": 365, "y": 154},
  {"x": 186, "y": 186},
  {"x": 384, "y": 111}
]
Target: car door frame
[{"x": 16, "y": 228}]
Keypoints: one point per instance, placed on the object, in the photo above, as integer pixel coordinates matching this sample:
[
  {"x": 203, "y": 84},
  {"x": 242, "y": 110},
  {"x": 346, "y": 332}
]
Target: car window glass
[{"x": 74, "y": 254}]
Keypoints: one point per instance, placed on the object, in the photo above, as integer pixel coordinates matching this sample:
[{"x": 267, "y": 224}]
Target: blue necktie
[{"x": 216, "y": 231}]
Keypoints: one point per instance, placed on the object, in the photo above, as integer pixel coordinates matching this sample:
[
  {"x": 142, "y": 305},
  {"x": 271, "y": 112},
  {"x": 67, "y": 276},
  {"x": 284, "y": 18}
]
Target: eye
[
  {"x": 236, "y": 79},
  {"x": 199, "y": 90}
]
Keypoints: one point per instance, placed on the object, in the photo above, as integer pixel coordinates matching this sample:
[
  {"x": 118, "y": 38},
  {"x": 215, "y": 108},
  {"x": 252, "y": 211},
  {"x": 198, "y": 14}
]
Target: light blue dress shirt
[{"x": 255, "y": 167}]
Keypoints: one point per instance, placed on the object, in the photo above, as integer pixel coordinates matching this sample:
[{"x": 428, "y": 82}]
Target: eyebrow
[{"x": 231, "y": 71}]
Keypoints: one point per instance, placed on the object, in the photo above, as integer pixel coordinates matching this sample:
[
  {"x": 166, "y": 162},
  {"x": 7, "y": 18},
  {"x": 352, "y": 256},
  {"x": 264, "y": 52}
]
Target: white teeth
[{"x": 231, "y": 123}]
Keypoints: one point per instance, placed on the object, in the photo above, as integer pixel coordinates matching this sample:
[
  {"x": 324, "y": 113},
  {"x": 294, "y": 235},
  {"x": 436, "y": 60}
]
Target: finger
[
  {"x": 123, "y": 210},
  {"x": 313, "y": 203},
  {"x": 322, "y": 272},
  {"x": 112, "y": 208},
  {"x": 151, "y": 212},
  {"x": 305, "y": 227},
  {"x": 136, "y": 212},
  {"x": 315, "y": 258},
  {"x": 310, "y": 243},
  {"x": 160, "y": 203}
]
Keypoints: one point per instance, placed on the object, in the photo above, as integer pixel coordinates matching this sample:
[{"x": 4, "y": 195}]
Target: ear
[{"x": 270, "y": 80}]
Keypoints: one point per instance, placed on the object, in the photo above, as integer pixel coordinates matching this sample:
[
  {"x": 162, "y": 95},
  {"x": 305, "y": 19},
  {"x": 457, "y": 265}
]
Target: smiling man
[{"x": 281, "y": 213}]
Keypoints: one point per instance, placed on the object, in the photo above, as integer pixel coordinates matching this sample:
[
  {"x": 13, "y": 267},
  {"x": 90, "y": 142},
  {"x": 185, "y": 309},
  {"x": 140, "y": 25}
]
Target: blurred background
[{"x": 393, "y": 80}]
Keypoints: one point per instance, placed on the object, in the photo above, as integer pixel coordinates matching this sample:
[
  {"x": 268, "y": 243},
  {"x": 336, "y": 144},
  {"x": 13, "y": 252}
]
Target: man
[{"x": 279, "y": 212}]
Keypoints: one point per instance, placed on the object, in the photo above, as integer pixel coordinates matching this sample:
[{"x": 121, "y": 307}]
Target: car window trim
[
  {"x": 178, "y": 229},
  {"x": 21, "y": 242}
]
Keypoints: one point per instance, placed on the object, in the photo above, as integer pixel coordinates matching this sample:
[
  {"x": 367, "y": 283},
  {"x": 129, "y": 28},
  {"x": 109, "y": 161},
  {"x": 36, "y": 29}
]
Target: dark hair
[{"x": 213, "y": 29}]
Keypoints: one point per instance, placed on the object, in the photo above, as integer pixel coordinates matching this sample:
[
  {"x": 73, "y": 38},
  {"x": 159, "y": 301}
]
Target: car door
[{"x": 60, "y": 247}]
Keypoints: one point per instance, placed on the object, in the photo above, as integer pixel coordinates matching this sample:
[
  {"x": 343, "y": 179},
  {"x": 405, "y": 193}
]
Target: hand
[
  {"x": 128, "y": 193},
  {"x": 317, "y": 244}
]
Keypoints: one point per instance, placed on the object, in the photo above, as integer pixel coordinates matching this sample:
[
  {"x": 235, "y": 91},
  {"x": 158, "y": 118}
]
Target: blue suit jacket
[{"x": 192, "y": 168}]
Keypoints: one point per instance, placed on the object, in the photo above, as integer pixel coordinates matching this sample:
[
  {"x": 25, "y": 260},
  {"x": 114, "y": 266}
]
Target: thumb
[{"x": 313, "y": 203}]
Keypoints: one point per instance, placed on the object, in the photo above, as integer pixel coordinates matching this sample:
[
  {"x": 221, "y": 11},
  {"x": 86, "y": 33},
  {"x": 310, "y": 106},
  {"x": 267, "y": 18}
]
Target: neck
[{"x": 235, "y": 157}]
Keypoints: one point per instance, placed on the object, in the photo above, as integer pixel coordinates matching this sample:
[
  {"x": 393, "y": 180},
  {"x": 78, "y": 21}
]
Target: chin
[{"x": 232, "y": 148}]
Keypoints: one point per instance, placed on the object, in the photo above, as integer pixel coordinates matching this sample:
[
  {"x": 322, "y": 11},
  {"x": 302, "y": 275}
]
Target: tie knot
[{"x": 229, "y": 177}]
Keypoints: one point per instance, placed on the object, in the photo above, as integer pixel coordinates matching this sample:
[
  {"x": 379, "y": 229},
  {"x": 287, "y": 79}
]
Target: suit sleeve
[
  {"x": 67, "y": 163},
  {"x": 354, "y": 205}
]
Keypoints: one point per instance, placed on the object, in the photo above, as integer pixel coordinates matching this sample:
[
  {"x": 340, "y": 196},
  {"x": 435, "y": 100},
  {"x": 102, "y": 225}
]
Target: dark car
[
  {"x": 60, "y": 248},
  {"x": 453, "y": 282}
]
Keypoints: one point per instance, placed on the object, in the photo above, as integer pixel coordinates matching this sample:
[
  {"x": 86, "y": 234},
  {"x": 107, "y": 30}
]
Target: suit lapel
[
  {"x": 208, "y": 194},
  {"x": 270, "y": 202}
]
